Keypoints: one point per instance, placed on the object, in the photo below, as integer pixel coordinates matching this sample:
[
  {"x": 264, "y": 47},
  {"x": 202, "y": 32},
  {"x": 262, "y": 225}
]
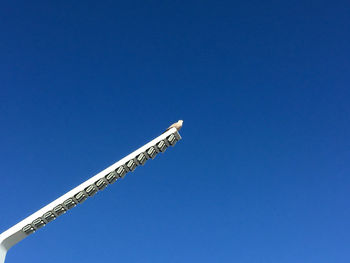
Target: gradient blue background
[{"x": 262, "y": 172}]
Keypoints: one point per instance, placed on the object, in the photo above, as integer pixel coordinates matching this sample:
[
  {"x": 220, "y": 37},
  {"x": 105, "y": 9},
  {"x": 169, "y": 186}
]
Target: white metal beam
[{"x": 77, "y": 195}]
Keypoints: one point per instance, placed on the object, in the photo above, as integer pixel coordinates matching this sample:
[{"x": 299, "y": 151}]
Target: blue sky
[{"x": 262, "y": 172}]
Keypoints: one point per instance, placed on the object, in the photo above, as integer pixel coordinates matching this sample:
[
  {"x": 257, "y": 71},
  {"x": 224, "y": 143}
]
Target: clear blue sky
[{"x": 262, "y": 172}]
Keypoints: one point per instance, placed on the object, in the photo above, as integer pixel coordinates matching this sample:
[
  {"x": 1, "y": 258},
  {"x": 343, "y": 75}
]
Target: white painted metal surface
[{"x": 27, "y": 226}]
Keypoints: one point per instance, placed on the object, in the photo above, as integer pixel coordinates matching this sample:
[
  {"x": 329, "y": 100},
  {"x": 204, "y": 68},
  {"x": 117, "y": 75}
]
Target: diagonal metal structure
[{"x": 87, "y": 189}]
